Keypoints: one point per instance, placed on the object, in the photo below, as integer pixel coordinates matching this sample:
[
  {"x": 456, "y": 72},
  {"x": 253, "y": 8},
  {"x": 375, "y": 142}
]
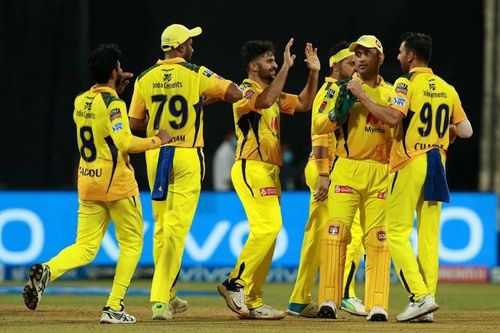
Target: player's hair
[
  {"x": 418, "y": 43},
  {"x": 103, "y": 60},
  {"x": 254, "y": 48},
  {"x": 337, "y": 47}
]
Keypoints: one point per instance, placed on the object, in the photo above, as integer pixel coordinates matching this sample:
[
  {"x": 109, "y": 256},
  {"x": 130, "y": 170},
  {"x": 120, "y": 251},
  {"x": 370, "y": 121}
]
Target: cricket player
[
  {"x": 107, "y": 188},
  {"x": 425, "y": 111},
  {"x": 170, "y": 95},
  {"x": 317, "y": 172},
  {"x": 255, "y": 173},
  {"x": 359, "y": 181}
]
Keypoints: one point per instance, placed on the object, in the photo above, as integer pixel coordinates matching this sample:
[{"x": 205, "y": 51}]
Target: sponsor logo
[
  {"x": 369, "y": 129},
  {"x": 432, "y": 86},
  {"x": 333, "y": 229},
  {"x": 399, "y": 101},
  {"x": 245, "y": 85},
  {"x": 89, "y": 172},
  {"x": 427, "y": 93},
  {"x": 330, "y": 93},
  {"x": 381, "y": 236},
  {"x": 117, "y": 127},
  {"x": 343, "y": 189},
  {"x": 249, "y": 94},
  {"x": 382, "y": 195},
  {"x": 84, "y": 114},
  {"x": 402, "y": 88},
  {"x": 266, "y": 191},
  {"x": 208, "y": 73},
  {"x": 165, "y": 85},
  {"x": 167, "y": 77},
  {"x": 322, "y": 107},
  {"x": 377, "y": 42},
  {"x": 115, "y": 113}
]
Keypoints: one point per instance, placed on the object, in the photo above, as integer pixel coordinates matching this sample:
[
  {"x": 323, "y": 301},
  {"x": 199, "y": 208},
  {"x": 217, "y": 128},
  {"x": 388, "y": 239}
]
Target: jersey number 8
[{"x": 88, "y": 150}]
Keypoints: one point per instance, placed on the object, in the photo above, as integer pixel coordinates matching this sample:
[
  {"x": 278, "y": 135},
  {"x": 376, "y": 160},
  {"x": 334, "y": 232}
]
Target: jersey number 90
[{"x": 440, "y": 118}]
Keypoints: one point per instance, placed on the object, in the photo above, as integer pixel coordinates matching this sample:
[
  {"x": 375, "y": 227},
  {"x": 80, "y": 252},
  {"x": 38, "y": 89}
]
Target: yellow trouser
[
  {"x": 93, "y": 221},
  {"x": 418, "y": 275},
  {"x": 258, "y": 187},
  {"x": 311, "y": 245},
  {"x": 173, "y": 216},
  {"x": 357, "y": 184}
]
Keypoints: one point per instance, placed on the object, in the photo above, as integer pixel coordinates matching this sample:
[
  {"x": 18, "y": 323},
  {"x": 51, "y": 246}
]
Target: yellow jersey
[
  {"x": 429, "y": 105},
  {"x": 323, "y": 102},
  {"x": 171, "y": 94},
  {"x": 258, "y": 130},
  {"x": 104, "y": 138},
  {"x": 363, "y": 136}
]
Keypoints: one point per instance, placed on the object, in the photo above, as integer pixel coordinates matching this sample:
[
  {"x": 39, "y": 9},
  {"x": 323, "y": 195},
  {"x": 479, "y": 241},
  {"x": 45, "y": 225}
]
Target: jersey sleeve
[
  {"x": 211, "y": 84},
  {"x": 402, "y": 93},
  {"x": 288, "y": 103},
  {"x": 321, "y": 126},
  {"x": 458, "y": 115},
  {"x": 138, "y": 104},
  {"x": 120, "y": 131},
  {"x": 247, "y": 103}
]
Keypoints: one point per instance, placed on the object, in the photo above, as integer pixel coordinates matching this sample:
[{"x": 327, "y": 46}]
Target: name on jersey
[
  {"x": 369, "y": 129},
  {"x": 422, "y": 146},
  {"x": 90, "y": 172},
  {"x": 166, "y": 85},
  {"x": 427, "y": 93},
  {"x": 178, "y": 138},
  {"x": 87, "y": 115}
]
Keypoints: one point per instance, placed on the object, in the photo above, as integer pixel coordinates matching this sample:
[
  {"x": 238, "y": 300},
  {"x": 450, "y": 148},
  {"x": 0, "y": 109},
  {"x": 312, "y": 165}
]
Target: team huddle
[{"x": 378, "y": 157}]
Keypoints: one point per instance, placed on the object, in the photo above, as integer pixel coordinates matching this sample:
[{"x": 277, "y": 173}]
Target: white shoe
[
  {"x": 427, "y": 318},
  {"x": 264, "y": 312},
  {"x": 234, "y": 295},
  {"x": 162, "y": 311},
  {"x": 354, "y": 306},
  {"x": 377, "y": 314},
  {"x": 419, "y": 308},
  {"x": 110, "y": 316},
  {"x": 328, "y": 309},
  {"x": 303, "y": 310},
  {"x": 39, "y": 277},
  {"x": 178, "y": 305}
]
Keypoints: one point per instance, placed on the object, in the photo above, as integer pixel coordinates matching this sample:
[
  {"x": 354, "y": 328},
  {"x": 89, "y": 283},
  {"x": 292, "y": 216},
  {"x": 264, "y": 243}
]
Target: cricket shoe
[
  {"x": 110, "y": 316},
  {"x": 264, "y": 312},
  {"x": 417, "y": 309},
  {"x": 377, "y": 314},
  {"x": 427, "y": 318},
  {"x": 234, "y": 294},
  {"x": 309, "y": 310},
  {"x": 354, "y": 306},
  {"x": 328, "y": 309},
  {"x": 162, "y": 311},
  {"x": 39, "y": 277},
  {"x": 178, "y": 305}
]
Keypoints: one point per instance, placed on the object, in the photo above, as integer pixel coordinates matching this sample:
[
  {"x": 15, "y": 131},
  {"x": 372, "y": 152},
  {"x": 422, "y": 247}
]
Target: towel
[
  {"x": 163, "y": 169},
  {"x": 436, "y": 187}
]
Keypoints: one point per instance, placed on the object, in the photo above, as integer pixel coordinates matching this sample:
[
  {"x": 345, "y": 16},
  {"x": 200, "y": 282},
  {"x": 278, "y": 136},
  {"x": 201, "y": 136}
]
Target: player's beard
[{"x": 266, "y": 76}]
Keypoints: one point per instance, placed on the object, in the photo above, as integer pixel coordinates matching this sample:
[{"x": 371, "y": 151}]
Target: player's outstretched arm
[
  {"x": 273, "y": 91},
  {"x": 306, "y": 96}
]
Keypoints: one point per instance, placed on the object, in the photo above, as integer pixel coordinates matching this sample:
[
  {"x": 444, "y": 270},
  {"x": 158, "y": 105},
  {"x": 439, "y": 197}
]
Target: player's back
[
  {"x": 431, "y": 108},
  {"x": 104, "y": 171}
]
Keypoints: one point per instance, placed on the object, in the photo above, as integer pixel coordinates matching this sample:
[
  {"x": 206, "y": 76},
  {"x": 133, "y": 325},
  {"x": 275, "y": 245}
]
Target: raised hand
[
  {"x": 287, "y": 57},
  {"x": 312, "y": 60},
  {"x": 126, "y": 76}
]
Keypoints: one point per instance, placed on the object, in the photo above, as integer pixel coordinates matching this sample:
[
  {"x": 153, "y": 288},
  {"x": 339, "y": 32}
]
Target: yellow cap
[
  {"x": 368, "y": 41},
  {"x": 176, "y": 34}
]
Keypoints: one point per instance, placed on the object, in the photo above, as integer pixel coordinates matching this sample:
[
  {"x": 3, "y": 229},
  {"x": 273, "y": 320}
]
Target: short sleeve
[
  {"x": 247, "y": 103},
  {"x": 403, "y": 90},
  {"x": 288, "y": 103},
  {"x": 458, "y": 114},
  {"x": 138, "y": 104},
  {"x": 211, "y": 84}
]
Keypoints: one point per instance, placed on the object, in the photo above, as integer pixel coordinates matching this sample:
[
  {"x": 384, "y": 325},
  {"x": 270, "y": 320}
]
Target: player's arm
[
  {"x": 461, "y": 126},
  {"x": 122, "y": 136},
  {"x": 306, "y": 96},
  {"x": 387, "y": 114},
  {"x": 273, "y": 91},
  {"x": 138, "y": 112}
]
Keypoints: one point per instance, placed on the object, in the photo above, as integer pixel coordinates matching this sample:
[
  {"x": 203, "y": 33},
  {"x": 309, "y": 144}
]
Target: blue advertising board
[{"x": 34, "y": 226}]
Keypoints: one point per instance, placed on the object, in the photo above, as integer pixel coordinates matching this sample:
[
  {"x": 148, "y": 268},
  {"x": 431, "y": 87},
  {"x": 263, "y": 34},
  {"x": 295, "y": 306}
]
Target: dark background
[{"x": 45, "y": 45}]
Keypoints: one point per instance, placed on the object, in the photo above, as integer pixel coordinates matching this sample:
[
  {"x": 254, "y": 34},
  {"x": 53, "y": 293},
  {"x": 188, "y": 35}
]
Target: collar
[
  {"x": 253, "y": 83},
  {"x": 175, "y": 60},
  {"x": 97, "y": 90},
  {"x": 330, "y": 79},
  {"x": 421, "y": 70}
]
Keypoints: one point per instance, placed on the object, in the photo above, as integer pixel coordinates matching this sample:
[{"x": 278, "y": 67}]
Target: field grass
[{"x": 464, "y": 308}]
